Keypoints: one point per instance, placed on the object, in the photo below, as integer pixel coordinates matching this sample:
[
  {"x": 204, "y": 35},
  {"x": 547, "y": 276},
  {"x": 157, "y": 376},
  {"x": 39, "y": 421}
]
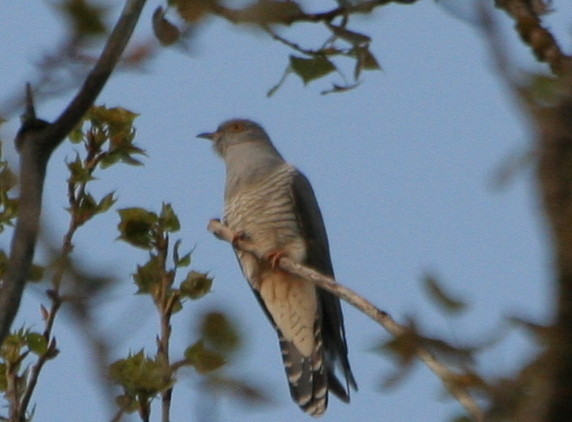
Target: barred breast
[{"x": 264, "y": 211}]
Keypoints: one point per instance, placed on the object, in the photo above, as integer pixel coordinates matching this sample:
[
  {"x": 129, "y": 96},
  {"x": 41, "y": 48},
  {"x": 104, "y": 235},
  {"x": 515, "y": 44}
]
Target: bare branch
[
  {"x": 97, "y": 78},
  {"x": 381, "y": 317},
  {"x": 288, "y": 43},
  {"x": 36, "y": 140},
  {"x": 555, "y": 159},
  {"x": 553, "y": 154},
  {"x": 243, "y": 16},
  {"x": 542, "y": 42},
  {"x": 30, "y": 113}
]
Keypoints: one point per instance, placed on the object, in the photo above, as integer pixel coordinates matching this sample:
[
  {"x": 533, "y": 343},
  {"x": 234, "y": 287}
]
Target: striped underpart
[{"x": 265, "y": 213}]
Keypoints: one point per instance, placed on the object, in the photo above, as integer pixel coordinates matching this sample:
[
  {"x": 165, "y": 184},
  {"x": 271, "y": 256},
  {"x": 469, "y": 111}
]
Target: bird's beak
[{"x": 207, "y": 135}]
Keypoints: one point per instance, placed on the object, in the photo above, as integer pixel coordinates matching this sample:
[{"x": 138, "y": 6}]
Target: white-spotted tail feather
[{"x": 307, "y": 376}]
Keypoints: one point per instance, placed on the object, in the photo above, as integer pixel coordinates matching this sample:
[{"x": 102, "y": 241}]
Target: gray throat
[{"x": 248, "y": 164}]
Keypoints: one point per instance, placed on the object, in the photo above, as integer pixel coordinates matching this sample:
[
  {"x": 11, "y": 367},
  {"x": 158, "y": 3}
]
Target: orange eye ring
[{"x": 237, "y": 127}]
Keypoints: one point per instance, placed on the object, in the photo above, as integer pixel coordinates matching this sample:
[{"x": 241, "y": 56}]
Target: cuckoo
[{"x": 273, "y": 204}]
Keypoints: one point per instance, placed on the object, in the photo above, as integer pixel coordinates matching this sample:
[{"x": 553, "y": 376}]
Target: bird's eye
[{"x": 237, "y": 127}]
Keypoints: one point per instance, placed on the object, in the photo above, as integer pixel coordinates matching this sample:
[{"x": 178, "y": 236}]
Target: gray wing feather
[{"x": 318, "y": 257}]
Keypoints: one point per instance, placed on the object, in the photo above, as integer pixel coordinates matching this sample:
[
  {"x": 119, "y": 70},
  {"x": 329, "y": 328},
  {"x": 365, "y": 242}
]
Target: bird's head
[{"x": 237, "y": 132}]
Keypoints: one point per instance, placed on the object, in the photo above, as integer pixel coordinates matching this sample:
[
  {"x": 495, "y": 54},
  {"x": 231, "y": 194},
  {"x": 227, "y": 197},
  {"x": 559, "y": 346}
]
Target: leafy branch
[
  {"x": 36, "y": 141},
  {"x": 105, "y": 134},
  {"x": 528, "y": 23},
  {"x": 267, "y": 15},
  {"x": 144, "y": 377}
]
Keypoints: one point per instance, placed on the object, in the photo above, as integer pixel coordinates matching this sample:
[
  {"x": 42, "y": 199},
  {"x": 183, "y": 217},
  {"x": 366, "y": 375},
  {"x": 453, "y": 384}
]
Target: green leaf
[
  {"x": 219, "y": 332},
  {"x": 110, "y": 159},
  {"x": 3, "y": 378},
  {"x": 310, "y": 69},
  {"x": 177, "y": 304},
  {"x": 546, "y": 89},
  {"x": 36, "y": 273},
  {"x": 185, "y": 261},
  {"x": 202, "y": 359},
  {"x": 352, "y": 37},
  {"x": 118, "y": 119},
  {"x": 193, "y": 10},
  {"x": 86, "y": 208},
  {"x": 8, "y": 210},
  {"x": 12, "y": 347},
  {"x": 137, "y": 227},
  {"x": 78, "y": 172},
  {"x": 364, "y": 60},
  {"x": 148, "y": 276},
  {"x": 115, "y": 126},
  {"x": 270, "y": 11},
  {"x": 87, "y": 19},
  {"x": 106, "y": 202},
  {"x": 127, "y": 402},
  {"x": 168, "y": 220},
  {"x": 165, "y": 31},
  {"x": 141, "y": 375},
  {"x": 37, "y": 343},
  {"x": 440, "y": 297},
  {"x": 179, "y": 261},
  {"x": 368, "y": 60},
  {"x": 76, "y": 135},
  {"x": 196, "y": 285},
  {"x": 122, "y": 156},
  {"x": 7, "y": 177},
  {"x": 404, "y": 347}
]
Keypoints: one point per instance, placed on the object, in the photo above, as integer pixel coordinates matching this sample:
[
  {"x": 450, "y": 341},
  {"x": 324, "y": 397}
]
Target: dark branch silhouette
[
  {"x": 553, "y": 151},
  {"x": 36, "y": 140},
  {"x": 245, "y": 15},
  {"x": 541, "y": 41}
]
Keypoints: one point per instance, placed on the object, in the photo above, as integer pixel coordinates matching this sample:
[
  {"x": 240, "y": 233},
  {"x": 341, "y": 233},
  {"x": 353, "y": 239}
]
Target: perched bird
[{"x": 272, "y": 204}]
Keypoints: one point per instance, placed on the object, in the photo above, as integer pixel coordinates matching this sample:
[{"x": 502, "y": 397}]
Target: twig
[
  {"x": 288, "y": 43},
  {"x": 56, "y": 299},
  {"x": 42, "y": 359},
  {"x": 530, "y": 29},
  {"x": 36, "y": 141},
  {"x": 381, "y": 317},
  {"x": 164, "y": 304},
  {"x": 243, "y": 16}
]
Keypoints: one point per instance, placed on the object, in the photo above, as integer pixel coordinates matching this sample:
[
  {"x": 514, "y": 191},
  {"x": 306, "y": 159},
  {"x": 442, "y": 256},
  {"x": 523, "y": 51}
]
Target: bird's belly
[
  {"x": 267, "y": 220},
  {"x": 291, "y": 301}
]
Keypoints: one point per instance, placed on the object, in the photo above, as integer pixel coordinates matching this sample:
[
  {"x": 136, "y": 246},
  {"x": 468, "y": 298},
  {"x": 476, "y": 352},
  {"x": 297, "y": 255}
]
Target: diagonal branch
[
  {"x": 246, "y": 16},
  {"x": 36, "y": 140},
  {"x": 541, "y": 41},
  {"x": 381, "y": 317}
]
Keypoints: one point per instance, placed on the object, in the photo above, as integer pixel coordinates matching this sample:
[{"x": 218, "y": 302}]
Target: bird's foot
[{"x": 274, "y": 257}]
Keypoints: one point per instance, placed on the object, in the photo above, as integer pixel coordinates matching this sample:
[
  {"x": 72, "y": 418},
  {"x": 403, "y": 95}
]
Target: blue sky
[{"x": 403, "y": 167}]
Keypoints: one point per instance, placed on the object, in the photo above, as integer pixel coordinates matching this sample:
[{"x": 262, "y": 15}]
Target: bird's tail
[{"x": 307, "y": 376}]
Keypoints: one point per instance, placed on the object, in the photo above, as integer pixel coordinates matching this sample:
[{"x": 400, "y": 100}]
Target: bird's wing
[
  {"x": 292, "y": 306},
  {"x": 318, "y": 257}
]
